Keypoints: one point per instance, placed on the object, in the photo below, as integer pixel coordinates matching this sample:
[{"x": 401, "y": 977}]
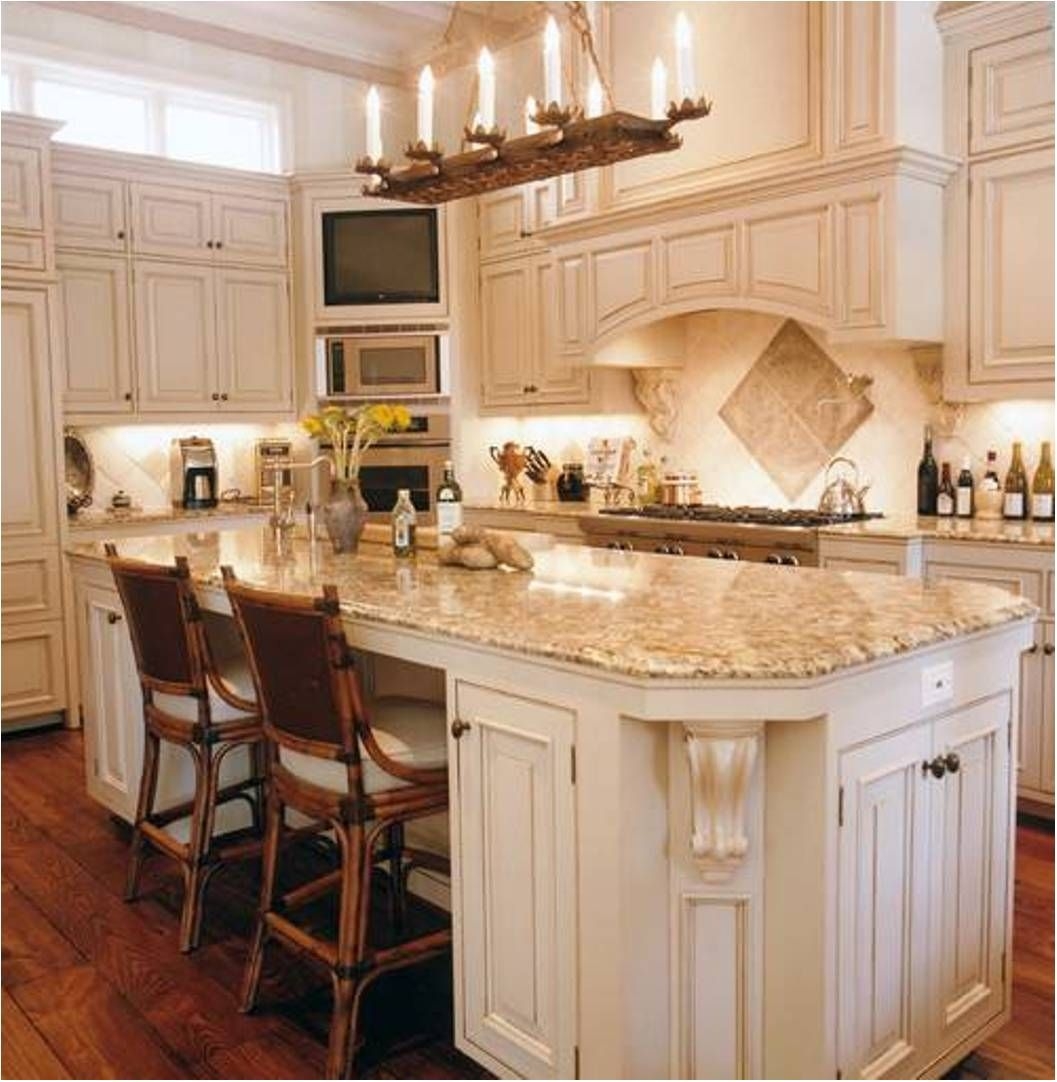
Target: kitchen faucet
[{"x": 278, "y": 519}]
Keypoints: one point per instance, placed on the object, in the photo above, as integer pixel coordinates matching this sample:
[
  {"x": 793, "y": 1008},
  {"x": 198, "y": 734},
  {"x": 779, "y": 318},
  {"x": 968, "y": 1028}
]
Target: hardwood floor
[{"x": 95, "y": 988}]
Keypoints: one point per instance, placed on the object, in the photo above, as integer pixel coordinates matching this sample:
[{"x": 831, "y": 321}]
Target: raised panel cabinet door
[
  {"x": 1011, "y": 279},
  {"x": 33, "y": 677},
  {"x": 883, "y": 907},
  {"x": 503, "y": 222},
  {"x": 1011, "y": 92},
  {"x": 516, "y": 887},
  {"x": 1046, "y": 773},
  {"x": 970, "y": 867},
  {"x": 561, "y": 377},
  {"x": 111, "y": 700},
  {"x": 253, "y": 340},
  {"x": 506, "y": 333},
  {"x": 176, "y": 350},
  {"x": 621, "y": 284},
  {"x": 1029, "y": 738},
  {"x": 171, "y": 221},
  {"x": 247, "y": 229},
  {"x": 89, "y": 212},
  {"x": 29, "y": 584},
  {"x": 861, "y": 285},
  {"x": 788, "y": 259},
  {"x": 30, "y": 489},
  {"x": 21, "y": 188},
  {"x": 96, "y": 333},
  {"x": 698, "y": 262}
]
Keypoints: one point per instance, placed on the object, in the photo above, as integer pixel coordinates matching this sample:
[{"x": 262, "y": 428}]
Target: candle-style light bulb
[
  {"x": 552, "y": 62},
  {"x": 486, "y": 88},
  {"x": 594, "y": 98},
  {"x": 531, "y": 108},
  {"x": 658, "y": 89},
  {"x": 426, "y": 84},
  {"x": 374, "y": 124},
  {"x": 684, "y": 57}
]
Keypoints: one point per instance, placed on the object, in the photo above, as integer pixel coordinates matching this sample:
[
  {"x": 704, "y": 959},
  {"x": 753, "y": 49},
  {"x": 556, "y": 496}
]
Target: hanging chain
[{"x": 580, "y": 21}]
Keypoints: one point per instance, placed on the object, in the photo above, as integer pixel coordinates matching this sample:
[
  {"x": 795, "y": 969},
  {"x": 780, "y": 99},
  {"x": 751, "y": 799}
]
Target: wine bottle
[
  {"x": 449, "y": 502},
  {"x": 964, "y": 503},
  {"x": 991, "y": 483},
  {"x": 404, "y": 520},
  {"x": 1042, "y": 487},
  {"x": 946, "y": 496},
  {"x": 928, "y": 478},
  {"x": 1015, "y": 501}
]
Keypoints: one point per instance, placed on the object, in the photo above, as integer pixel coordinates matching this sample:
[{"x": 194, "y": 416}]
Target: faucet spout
[{"x": 277, "y": 518}]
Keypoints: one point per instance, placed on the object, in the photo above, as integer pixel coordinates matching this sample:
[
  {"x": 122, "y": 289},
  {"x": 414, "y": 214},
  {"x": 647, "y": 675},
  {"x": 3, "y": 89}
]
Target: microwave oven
[{"x": 397, "y": 365}]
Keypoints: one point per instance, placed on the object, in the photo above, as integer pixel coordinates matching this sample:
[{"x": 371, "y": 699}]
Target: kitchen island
[{"x": 708, "y": 819}]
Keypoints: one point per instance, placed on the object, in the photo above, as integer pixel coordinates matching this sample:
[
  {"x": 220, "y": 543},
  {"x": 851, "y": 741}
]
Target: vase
[{"x": 345, "y": 515}]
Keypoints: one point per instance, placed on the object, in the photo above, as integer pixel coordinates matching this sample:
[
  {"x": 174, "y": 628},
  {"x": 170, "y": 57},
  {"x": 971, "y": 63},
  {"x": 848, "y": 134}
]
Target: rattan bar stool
[
  {"x": 189, "y": 702},
  {"x": 327, "y": 761}
]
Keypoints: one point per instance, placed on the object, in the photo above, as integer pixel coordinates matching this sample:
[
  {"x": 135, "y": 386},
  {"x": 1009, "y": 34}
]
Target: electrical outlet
[{"x": 937, "y": 683}]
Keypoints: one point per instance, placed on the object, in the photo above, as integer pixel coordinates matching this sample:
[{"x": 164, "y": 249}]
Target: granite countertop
[
  {"x": 632, "y": 614},
  {"x": 975, "y": 530},
  {"x": 563, "y": 508},
  {"x": 94, "y": 518}
]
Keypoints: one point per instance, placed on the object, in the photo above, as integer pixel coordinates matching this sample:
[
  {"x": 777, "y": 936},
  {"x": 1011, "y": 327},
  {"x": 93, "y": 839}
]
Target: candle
[
  {"x": 552, "y": 62},
  {"x": 658, "y": 89},
  {"x": 486, "y": 88},
  {"x": 425, "y": 106},
  {"x": 594, "y": 98},
  {"x": 531, "y": 108},
  {"x": 374, "y": 124},
  {"x": 684, "y": 58}
]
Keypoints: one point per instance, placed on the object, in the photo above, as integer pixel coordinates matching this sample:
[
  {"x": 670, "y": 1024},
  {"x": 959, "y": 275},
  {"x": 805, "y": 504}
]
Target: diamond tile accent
[{"x": 793, "y": 410}]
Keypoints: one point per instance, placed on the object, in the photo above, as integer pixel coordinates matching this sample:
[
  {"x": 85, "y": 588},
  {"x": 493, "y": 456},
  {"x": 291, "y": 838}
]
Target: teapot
[{"x": 843, "y": 496}]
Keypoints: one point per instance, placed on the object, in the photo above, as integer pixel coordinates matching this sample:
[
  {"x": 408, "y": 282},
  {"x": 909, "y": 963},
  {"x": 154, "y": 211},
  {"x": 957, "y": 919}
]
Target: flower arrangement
[{"x": 351, "y": 432}]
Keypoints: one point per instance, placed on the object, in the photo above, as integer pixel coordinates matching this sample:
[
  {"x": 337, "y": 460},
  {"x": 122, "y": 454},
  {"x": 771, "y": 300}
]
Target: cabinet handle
[
  {"x": 1048, "y": 649},
  {"x": 952, "y": 762},
  {"x": 1033, "y": 648},
  {"x": 215, "y": 397},
  {"x": 128, "y": 396},
  {"x": 219, "y": 244},
  {"x": 113, "y": 618},
  {"x": 530, "y": 388},
  {"x": 120, "y": 234},
  {"x": 209, "y": 244},
  {"x": 458, "y": 727},
  {"x": 224, "y": 396},
  {"x": 937, "y": 768}
]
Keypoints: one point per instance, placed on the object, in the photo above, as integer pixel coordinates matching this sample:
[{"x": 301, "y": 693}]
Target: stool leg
[
  {"x": 148, "y": 784},
  {"x": 342, "y": 1036},
  {"x": 398, "y": 895},
  {"x": 197, "y": 873},
  {"x": 351, "y": 932},
  {"x": 270, "y": 861}
]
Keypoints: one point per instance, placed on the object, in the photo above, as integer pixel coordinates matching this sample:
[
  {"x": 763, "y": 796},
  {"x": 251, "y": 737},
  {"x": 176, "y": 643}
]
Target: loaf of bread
[{"x": 479, "y": 549}]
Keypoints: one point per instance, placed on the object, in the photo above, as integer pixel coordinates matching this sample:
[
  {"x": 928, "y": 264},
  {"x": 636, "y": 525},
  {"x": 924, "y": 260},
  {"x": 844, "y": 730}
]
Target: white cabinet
[
  {"x": 176, "y": 345},
  {"x": 90, "y": 212},
  {"x": 249, "y": 230},
  {"x": 96, "y": 331},
  {"x": 22, "y": 187},
  {"x": 514, "y": 873},
  {"x": 506, "y": 332},
  {"x": 924, "y": 866}
]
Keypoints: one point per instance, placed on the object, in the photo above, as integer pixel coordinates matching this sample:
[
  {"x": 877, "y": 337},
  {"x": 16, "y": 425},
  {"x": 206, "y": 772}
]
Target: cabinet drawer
[
  {"x": 89, "y": 213},
  {"x": 29, "y": 586},
  {"x": 33, "y": 670},
  {"x": 1021, "y": 582},
  {"x": 23, "y": 250}
]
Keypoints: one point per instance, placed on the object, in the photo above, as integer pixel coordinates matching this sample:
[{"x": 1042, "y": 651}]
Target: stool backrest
[
  {"x": 164, "y": 623},
  {"x": 302, "y": 669}
]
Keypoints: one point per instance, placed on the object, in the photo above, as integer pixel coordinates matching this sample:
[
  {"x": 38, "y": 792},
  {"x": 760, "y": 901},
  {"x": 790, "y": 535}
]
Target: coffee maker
[{"x": 194, "y": 473}]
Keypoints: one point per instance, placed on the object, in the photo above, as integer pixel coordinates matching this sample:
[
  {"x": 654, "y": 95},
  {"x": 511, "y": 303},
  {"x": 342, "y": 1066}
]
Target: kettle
[{"x": 843, "y": 496}]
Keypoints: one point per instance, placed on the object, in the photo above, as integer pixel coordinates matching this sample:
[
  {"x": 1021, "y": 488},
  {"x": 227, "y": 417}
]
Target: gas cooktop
[{"x": 751, "y": 516}]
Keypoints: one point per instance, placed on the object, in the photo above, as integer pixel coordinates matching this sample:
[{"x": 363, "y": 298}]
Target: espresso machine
[{"x": 194, "y": 473}]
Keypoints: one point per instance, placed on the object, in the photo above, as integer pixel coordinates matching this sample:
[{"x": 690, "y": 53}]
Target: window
[{"x": 102, "y": 109}]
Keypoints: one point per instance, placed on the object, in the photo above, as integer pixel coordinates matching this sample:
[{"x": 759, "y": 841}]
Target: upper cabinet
[
  {"x": 999, "y": 72},
  {"x": 90, "y": 213},
  {"x": 22, "y": 187},
  {"x": 25, "y": 194}
]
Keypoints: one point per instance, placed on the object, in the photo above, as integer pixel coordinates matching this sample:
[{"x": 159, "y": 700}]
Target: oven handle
[{"x": 410, "y": 443}]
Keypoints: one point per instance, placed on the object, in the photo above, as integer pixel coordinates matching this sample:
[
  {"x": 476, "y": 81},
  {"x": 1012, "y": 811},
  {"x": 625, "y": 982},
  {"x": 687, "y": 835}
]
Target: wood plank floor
[{"x": 95, "y": 988}]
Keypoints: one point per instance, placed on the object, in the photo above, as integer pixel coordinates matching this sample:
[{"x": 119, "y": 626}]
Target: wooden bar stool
[
  {"x": 189, "y": 702},
  {"x": 326, "y": 761}
]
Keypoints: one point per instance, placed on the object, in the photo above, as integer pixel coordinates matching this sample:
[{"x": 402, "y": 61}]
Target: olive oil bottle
[{"x": 1042, "y": 487}]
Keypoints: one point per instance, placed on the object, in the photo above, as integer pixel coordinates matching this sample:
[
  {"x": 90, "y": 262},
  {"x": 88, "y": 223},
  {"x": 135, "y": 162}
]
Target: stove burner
[{"x": 755, "y": 516}]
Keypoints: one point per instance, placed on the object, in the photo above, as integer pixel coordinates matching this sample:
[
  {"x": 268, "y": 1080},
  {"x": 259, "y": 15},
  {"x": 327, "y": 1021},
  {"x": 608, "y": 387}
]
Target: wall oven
[{"x": 388, "y": 364}]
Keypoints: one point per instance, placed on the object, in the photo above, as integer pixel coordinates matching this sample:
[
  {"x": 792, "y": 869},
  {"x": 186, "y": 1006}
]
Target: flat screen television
[{"x": 380, "y": 257}]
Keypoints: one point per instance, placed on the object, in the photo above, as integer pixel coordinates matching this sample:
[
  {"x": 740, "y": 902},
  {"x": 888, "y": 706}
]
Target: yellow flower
[
  {"x": 401, "y": 418},
  {"x": 381, "y": 414}
]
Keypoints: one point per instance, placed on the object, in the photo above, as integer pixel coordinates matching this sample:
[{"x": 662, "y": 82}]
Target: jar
[{"x": 571, "y": 485}]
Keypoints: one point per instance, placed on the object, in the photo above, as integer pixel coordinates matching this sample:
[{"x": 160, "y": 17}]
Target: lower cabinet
[
  {"x": 514, "y": 871},
  {"x": 33, "y": 677},
  {"x": 924, "y": 867}
]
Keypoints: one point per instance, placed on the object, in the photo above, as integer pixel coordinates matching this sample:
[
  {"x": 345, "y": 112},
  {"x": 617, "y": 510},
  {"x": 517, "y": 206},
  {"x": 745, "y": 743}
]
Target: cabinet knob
[
  {"x": 224, "y": 396},
  {"x": 1048, "y": 649},
  {"x": 215, "y": 397},
  {"x": 219, "y": 244},
  {"x": 209, "y": 244},
  {"x": 113, "y": 618},
  {"x": 120, "y": 234},
  {"x": 952, "y": 762},
  {"x": 458, "y": 727},
  {"x": 128, "y": 396},
  {"x": 1033, "y": 648},
  {"x": 937, "y": 767}
]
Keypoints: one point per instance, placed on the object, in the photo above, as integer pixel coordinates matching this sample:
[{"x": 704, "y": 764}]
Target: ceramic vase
[{"x": 345, "y": 515}]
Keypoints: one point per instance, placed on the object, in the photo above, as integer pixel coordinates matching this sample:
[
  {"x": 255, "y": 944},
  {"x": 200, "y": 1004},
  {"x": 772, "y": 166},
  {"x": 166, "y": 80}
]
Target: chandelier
[{"x": 558, "y": 138}]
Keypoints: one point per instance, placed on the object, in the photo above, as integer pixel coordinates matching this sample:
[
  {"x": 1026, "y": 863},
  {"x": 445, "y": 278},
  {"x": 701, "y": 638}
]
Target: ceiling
[{"x": 379, "y": 40}]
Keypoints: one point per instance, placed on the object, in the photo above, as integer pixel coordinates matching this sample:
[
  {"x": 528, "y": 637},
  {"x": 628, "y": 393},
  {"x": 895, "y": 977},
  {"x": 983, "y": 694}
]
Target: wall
[{"x": 723, "y": 346}]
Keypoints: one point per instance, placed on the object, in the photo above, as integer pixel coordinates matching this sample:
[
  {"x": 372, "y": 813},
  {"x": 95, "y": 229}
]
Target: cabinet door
[
  {"x": 111, "y": 701},
  {"x": 883, "y": 908},
  {"x": 96, "y": 333},
  {"x": 515, "y": 883},
  {"x": 1029, "y": 742},
  {"x": 970, "y": 866},
  {"x": 1046, "y": 771},
  {"x": 1011, "y": 279},
  {"x": 249, "y": 230},
  {"x": 33, "y": 677},
  {"x": 1012, "y": 92},
  {"x": 503, "y": 222},
  {"x": 171, "y": 221},
  {"x": 253, "y": 340},
  {"x": 621, "y": 284},
  {"x": 176, "y": 352},
  {"x": 30, "y": 489},
  {"x": 506, "y": 333},
  {"x": 21, "y": 188},
  {"x": 559, "y": 376},
  {"x": 89, "y": 213}
]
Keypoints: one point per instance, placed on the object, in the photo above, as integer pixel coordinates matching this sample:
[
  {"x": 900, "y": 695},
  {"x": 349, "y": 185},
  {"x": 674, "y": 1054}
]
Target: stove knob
[
  {"x": 790, "y": 561},
  {"x": 774, "y": 558},
  {"x": 715, "y": 554},
  {"x": 730, "y": 554}
]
